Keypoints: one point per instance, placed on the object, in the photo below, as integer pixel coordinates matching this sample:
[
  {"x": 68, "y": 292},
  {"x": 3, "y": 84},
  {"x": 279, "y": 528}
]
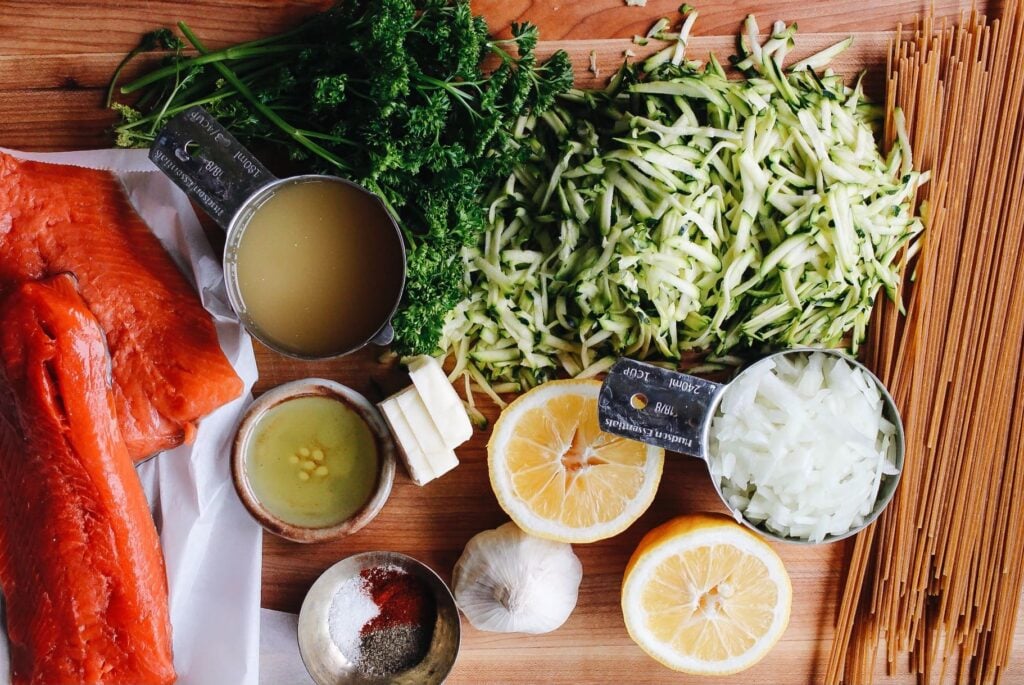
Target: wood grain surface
[{"x": 55, "y": 59}]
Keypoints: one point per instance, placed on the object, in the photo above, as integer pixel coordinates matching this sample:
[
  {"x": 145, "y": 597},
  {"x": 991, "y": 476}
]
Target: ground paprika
[
  {"x": 404, "y": 600},
  {"x": 399, "y": 636}
]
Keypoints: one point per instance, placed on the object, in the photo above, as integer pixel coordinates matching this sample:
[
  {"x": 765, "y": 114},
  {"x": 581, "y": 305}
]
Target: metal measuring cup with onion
[{"x": 676, "y": 411}]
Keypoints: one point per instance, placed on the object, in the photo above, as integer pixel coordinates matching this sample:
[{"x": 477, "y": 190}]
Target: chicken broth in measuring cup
[
  {"x": 314, "y": 265},
  {"x": 318, "y": 266}
]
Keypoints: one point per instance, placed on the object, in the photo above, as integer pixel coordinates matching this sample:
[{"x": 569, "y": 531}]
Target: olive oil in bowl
[
  {"x": 313, "y": 461},
  {"x": 318, "y": 266}
]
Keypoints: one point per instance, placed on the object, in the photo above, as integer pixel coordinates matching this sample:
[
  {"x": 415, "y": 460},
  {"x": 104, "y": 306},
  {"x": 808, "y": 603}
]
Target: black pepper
[{"x": 388, "y": 651}]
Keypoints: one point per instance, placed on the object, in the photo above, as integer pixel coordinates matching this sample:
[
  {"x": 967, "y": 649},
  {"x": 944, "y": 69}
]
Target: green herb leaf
[{"x": 389, "y": 93}]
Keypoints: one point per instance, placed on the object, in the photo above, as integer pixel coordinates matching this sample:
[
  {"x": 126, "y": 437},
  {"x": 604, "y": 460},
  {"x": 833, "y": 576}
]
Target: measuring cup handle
[
  {"x": 657, "y": 406},
  {"x": 206, "y": 162},
  {"x": 385, "y": 335}
]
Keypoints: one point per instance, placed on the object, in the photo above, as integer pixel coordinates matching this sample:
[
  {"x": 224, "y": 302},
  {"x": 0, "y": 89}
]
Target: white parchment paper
[
  {"x": 280, "y": 660},
  {"x": 211, "y": 546}
]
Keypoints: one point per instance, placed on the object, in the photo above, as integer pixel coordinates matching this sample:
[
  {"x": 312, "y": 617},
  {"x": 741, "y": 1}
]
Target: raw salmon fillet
[
  {"x": 169, "y": 370},
  {"x": 80, "y": 561}
]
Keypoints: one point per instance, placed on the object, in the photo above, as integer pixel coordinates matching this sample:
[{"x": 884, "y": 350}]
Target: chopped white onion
[{"x": 800, "y": 445}]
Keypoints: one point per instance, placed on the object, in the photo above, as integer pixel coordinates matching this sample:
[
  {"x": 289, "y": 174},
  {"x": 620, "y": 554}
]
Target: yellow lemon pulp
[
  {"x": 559, "y": 476},
  {"x": 705, "y": 596}
]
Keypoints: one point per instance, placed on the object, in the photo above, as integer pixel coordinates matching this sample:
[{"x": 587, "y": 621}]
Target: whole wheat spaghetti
[{"x": 939, "y": 576}]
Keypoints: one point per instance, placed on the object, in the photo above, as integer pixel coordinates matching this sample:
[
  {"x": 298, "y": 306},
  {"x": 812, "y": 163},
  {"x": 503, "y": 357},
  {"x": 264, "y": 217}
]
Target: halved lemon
[
  {"x": 559, "y": 476},
  {"x": 704, "y": 595}
]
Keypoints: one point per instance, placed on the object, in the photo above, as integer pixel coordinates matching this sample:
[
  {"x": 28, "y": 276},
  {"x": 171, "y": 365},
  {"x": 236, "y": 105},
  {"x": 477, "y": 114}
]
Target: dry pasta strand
[{"x": 938, "y": 578}]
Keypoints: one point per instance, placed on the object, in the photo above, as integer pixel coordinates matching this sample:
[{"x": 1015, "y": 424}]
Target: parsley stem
[
  {"x": 326, "y": 136},
  {"x": 390, "y": 93},
  {"x": 238, "y": 51},
  {"x": 494, "y": 46},
  {"x": 231, "y": 53},
  {"x": 272, "y": 116},
  {"x": 171, "y": 111},
  {"x": 454, "y": 90},
  {"x": 460, "y": 96},
  {"x": 117, "y": 72}
]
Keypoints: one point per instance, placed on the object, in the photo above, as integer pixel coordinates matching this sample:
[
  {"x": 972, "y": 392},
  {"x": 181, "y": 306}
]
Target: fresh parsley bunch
[{"x": 390, "y": 93}]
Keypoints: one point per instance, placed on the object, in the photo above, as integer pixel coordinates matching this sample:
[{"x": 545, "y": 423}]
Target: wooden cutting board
[{"x": 55, "y": 59}]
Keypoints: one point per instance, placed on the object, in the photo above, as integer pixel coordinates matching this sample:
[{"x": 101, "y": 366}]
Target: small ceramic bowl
[
  {"x": 314, "y": 387},
  {"x": 326, "y": 663}
]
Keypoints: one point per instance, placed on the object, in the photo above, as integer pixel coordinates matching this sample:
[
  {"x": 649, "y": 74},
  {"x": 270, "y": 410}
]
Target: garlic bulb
[{"x": 508, "y": 581}]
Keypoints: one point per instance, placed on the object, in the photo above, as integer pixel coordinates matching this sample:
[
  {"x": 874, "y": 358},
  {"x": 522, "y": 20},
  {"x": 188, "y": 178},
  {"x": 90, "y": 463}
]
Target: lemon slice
[
  {"x": 559, "y": 476},
  {"x": 705, "y": 596}
]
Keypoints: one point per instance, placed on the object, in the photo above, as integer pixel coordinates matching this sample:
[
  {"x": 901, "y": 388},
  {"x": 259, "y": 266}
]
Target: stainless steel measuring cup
[
  {"x": 674, "y": 411},
  {"x": 231, "y": 184}
]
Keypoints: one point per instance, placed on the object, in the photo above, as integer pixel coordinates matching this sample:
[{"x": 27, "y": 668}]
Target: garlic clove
[{"x": 508, "y": 581}]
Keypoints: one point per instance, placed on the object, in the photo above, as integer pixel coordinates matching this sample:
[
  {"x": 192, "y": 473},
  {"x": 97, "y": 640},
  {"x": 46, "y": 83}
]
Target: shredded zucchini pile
[{"x": 681, "y": 210}]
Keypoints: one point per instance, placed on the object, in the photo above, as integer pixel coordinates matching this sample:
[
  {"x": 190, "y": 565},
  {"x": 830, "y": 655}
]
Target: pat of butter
[
  {"x": 421, "y": 445},
  {"x": 443, "y": 462},
  {"x": 440, "y": 456},
  {"x": 442, "y": 402},
  {"x": 423, "y": 428},
  {"x": 409, "y": 449}
]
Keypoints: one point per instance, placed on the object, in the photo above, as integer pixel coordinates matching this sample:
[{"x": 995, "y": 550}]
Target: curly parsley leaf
[{"x": 390, "y": 93}]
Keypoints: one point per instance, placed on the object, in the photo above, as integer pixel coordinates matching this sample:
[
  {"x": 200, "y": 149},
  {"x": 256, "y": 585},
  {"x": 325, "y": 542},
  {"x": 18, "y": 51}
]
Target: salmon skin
[
  {"x": 169, "y": 370},
  {"x": 80, "y": 561}
]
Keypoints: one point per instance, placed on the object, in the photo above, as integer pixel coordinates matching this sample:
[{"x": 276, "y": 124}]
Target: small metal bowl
[
  {"x": 887, "y": 487},
  {"x": 329, "y": 666},
  {"x": 314, "y": 387},
  {"x": 675, "y": 411}
]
